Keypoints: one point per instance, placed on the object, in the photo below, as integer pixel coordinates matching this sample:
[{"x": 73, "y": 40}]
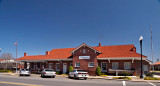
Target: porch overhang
[{"x": 45, "y": 60}]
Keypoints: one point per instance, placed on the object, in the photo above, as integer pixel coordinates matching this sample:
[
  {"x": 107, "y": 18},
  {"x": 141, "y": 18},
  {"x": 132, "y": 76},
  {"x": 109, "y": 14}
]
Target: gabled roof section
[
  {"x": 117, "y": 51},
  {"x": 86, "y": 46}
]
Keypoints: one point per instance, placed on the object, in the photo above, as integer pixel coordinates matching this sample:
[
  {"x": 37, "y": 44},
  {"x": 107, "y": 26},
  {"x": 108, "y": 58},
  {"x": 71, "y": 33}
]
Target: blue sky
[{"x": 43, "y": 25}]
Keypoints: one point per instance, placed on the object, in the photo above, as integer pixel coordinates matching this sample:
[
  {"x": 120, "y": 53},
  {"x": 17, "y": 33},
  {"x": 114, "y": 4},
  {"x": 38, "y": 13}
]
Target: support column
[{"x": 25, "y": 64}]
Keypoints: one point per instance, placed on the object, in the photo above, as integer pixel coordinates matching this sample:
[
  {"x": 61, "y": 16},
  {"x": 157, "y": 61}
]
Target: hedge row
[
  {"x": 5, "y": 71},
  {"x": 151, "y": 78}
]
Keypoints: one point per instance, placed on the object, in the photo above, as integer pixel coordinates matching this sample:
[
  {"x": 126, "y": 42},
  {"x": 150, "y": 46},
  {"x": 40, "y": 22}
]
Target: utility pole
[{"x": 152, "y": 49}]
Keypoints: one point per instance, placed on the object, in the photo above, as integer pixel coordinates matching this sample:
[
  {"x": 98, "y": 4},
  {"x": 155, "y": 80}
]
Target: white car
[
  {"x": 78, "y": 73},
  {"x": 48, "y": 72},
  {"x": 24, "y": 72}
]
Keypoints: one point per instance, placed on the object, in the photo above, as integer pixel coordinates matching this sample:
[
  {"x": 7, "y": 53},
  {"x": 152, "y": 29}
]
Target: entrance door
[
  {"x": 104, "y": 67},
  {"x": 64, "y": 68}
]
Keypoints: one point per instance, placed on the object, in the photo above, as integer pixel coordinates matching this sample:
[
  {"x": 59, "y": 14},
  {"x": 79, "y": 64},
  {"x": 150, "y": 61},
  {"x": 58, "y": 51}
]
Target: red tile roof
[
  {"x": 117, "y": 51},
  {"x": 157, "y": 63},
  {"x": 1, "y": 59}
]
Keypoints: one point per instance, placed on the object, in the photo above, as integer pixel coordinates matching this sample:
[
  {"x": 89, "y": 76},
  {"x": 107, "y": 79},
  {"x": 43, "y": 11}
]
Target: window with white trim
[
  {"x": 103, "y": 66},
  {"x": 90, "y": 64},
  {"x": 127, "y": 65},
  {"x": 77, "y": 64},
  {"x": 114, "y": 65}
]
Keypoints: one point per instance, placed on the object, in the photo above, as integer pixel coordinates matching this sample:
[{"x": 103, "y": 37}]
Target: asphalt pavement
[{"x": 64, "y": 81}]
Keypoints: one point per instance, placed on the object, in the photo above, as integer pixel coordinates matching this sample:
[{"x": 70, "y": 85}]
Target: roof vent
[{"x": 133, "y": 49}]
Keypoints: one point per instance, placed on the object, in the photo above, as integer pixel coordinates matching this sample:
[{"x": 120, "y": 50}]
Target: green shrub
[
  {"x": 103, "y": 74},
  {"x": 57, "y": 72},
  {"x": 128, "y": 78},
  {"x": 70, "y": 68},
  {"x": 126, "y": 73},
  {"x": 98, "y": 71},
  {"x": 6, "y": 71},
  {"x": 150, "y": 74},
  {"x": 151, "y": 78}
]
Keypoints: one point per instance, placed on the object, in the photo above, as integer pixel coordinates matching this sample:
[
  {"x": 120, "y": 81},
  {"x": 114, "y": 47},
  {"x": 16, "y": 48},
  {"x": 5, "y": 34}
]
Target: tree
[
  {"x": 98, "y": 71},
  {"x": 7, "y": 60},
  {"x": 70, "y": 68}
]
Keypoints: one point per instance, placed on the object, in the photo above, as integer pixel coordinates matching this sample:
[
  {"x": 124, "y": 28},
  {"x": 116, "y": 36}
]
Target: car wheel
[
  {"x": 42, "y": 76},
  {"x": 69, "y": 76},
  {"x": 53, "y": 76},
  {"x": 19, "y": 74}
]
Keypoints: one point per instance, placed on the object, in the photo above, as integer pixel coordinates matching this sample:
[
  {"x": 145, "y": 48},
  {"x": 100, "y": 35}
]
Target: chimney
[
  {"x": 47, "y": 52},
  {"x": 99, "y": 45},
  {"x": 25, "y": 54},
  {"x": 133, "y": 49}
]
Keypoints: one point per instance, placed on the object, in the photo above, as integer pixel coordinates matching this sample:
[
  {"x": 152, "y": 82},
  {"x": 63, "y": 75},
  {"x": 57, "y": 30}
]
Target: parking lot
[{"x": 36, "y": 80}]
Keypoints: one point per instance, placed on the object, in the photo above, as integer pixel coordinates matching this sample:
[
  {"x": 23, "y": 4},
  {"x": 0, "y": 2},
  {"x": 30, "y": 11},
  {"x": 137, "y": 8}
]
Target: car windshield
[
  {"x": 49, "y": 70},
  {"x": 24, "y": 69},
  {"x": 81, "y": 71}
]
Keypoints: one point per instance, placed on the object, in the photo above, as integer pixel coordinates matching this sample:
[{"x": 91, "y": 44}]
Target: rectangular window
[
  {"x": 77, "y": 64},
  {"x": 57, "y": 65},
  {"x": 127, "y": 65},
  {"x": 90, "y": 64},
  {"x": 114, "y": 65},
  {"x": 84, "y": 51},
  {"x": 103, "y": 66}
]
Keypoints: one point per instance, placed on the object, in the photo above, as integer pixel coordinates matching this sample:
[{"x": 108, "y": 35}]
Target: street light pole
[{"x": 140, "y": 39}]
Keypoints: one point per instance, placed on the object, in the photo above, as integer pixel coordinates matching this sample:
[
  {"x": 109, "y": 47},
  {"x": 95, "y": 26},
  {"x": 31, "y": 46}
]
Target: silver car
[
  {"x": 24, "y": 72},
  {"x": 78, "y": 73},
  {"x": 48, "y": 72}
]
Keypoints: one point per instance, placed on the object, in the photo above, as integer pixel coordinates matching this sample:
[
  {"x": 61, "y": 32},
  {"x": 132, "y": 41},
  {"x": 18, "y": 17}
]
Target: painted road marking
[
  {"x": 19, "y": 83},
  {"x": 124, "y": 83},
  {"x": 152, "y": 84}
]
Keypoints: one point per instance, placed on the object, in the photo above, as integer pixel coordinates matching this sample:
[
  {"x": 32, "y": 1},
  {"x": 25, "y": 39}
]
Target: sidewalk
[{"x": 134, "y": 78}]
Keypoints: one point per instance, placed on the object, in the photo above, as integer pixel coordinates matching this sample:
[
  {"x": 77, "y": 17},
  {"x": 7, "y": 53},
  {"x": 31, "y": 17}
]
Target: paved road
[{"x": 63, "y": 81}]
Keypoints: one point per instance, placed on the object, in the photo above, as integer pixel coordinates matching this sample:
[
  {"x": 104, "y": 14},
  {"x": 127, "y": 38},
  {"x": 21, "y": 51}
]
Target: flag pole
[{"x": 152, "y": 49}]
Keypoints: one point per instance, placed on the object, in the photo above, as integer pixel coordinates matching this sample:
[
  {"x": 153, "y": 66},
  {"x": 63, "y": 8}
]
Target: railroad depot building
[{"x": 111, "y": 59}]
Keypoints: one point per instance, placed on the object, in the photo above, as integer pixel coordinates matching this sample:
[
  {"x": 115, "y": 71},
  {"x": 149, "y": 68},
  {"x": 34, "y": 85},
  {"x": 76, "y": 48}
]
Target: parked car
[
  {"x": 48, "y": 72},
  {"x": 78, "y": 73},
  {"x": 24, "y": 72}
]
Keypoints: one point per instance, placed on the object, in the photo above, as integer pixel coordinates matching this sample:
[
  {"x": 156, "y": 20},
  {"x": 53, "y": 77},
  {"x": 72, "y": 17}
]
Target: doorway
[{"x": 64, "y": 68}]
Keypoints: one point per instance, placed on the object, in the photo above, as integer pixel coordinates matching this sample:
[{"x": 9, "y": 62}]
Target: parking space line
[
  {"x": 124, "y": 83},
  {"x": 19, "y": 83},
  {"x": 152, "y": 84}
]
